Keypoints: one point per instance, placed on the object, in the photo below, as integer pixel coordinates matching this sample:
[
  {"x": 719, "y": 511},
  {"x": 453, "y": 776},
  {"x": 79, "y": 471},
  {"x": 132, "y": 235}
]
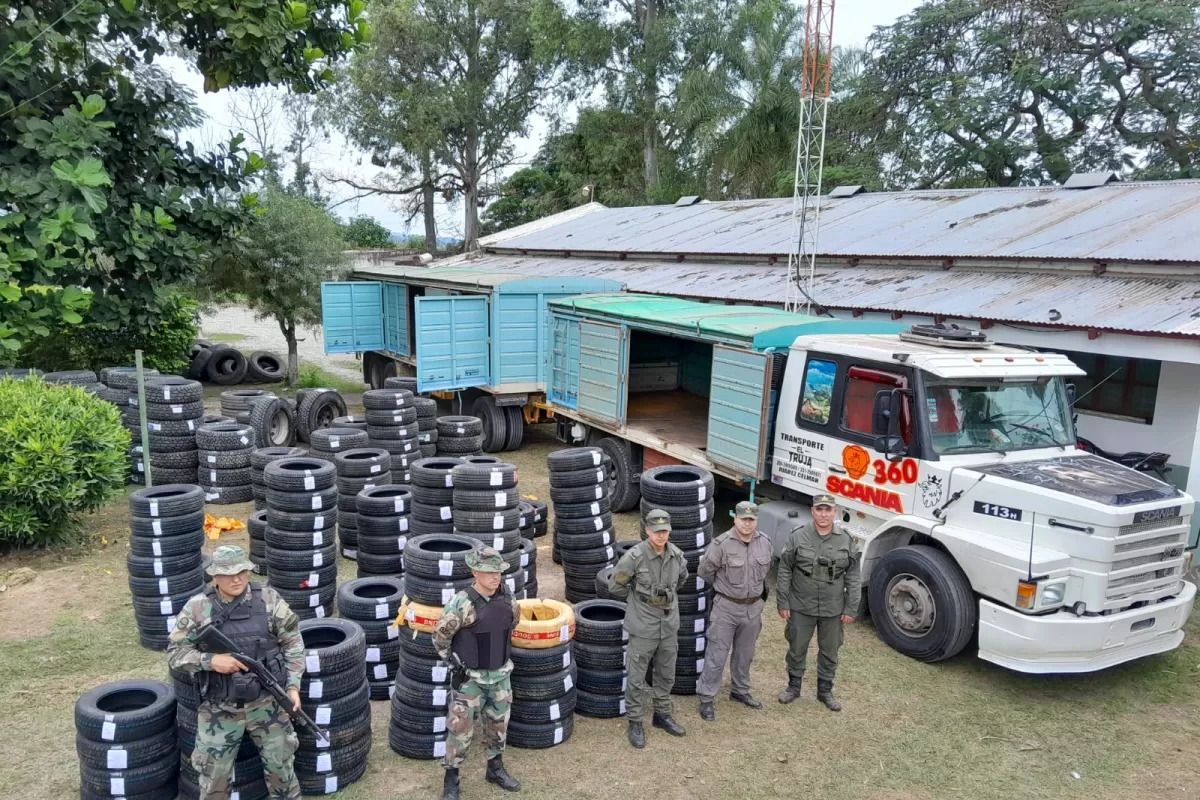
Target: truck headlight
[{"x": 1052, "y": 594}]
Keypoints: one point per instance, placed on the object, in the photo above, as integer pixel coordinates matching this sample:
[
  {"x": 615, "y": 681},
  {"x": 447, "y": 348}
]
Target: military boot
[
  {"x": 637, "y": 734},
  {"x": 497, "y": 774},
  {"x": 450, "y": 785},
  {"x": 825, "y": 695},
  {"x": 668, "y": 724},
  {"x": 791, "y": 692},
  {"x": 706, "y": 711},
  {"x": 745, "y": 699}
]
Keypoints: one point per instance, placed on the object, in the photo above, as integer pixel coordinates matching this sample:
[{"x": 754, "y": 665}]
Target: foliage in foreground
[{"x": 63, "y": 452}]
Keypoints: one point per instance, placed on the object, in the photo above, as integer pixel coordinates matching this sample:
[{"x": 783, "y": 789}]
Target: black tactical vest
[
  {"x": 247, "y": 623},
  {"x": 485, "y": 645}
]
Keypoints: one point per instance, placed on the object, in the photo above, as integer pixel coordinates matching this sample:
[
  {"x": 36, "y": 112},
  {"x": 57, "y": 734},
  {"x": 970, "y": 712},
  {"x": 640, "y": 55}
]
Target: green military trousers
[
  {"x": 799, "y": 632},
  {"x": 219, "y": 731},
  {"x": 641, "y": 653}
]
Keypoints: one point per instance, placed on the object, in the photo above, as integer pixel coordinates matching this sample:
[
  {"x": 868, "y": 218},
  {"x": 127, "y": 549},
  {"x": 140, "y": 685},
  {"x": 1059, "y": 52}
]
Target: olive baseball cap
[
  {"x": 229, "y": 559},
  {"x": 746, "y": 510},
  {"x": 824, "y": 500},
  {"x": 485, "y": 559},
  {"x": 658, "y": 520}
]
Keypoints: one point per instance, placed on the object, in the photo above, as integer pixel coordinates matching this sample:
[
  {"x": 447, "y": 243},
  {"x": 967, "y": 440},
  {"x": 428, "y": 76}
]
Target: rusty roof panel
[{"x": 1142, "y": 222}]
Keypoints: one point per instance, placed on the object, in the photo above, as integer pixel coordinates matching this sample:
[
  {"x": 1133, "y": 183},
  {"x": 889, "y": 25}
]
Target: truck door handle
[{"x": 837, "y": 469}]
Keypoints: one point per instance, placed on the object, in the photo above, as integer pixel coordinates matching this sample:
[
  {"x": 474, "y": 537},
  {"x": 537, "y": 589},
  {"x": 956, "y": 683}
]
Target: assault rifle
[{"x": 216, "y": 642}]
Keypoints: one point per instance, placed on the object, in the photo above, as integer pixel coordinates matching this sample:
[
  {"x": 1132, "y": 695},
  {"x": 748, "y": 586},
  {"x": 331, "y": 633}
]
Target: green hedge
[{"x": 63, "y": 452}]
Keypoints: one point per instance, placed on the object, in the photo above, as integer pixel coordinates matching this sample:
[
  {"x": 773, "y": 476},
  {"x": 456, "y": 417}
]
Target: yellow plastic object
[
  {"x": 214, "y": 527},
  {"x": 544, "y": 623},
  {"x": 418, "y": 616}
]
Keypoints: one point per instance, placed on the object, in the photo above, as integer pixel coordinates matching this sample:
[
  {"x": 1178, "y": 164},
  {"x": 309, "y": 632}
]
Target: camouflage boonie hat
[
  {"x": 485, "y": 559},
  {"x": 824, "y": 500},
  {"x": 229, "y": 559},
  {"x": 658, "y": 520},
  {"x": 746, "y": 510}
]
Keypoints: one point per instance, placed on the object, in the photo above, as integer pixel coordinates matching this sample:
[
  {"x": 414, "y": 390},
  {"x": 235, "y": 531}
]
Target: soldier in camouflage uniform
[
  {"x": 233, "y": 701},
  {"x": 474, "y": 637},
  {"x": 819, "y": 588}
]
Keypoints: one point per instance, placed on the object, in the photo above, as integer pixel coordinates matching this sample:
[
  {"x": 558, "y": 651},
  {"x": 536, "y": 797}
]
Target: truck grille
[
  {"x": 1170, "y": 554},
  {"x": 1150, "y": 525},
  {"x": 1145, "y": 544}
]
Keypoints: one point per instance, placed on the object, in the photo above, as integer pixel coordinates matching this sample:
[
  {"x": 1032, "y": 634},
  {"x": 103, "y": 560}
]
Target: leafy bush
[
  {"x": 165, "y": 343},
  {"x": 63, "y": 452}
]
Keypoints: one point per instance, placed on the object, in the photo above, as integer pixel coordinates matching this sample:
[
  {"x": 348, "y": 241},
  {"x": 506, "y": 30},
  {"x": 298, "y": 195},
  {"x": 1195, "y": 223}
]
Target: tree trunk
[
  {"x": 471, "y": 194},
  {"x": 649, "y": 99},
  {"x": 427, "y": 203},
  {"x": 293, "y": 367}
]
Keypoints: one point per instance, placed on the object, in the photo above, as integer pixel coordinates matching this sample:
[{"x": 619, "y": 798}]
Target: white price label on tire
[
  {"x": 599, "y": 492},
  {"x": 449, "y": 480},
  {"x": 381, "y": 611},
  {"x": 439, "y": 749},
  {"x": 701, "y": 642},
  {"x": 324, "y": 762},
  {"x": 439, "y": 697},
  {"x": 373, "y": 655},
  {"x": 323, "y": 715},
  {"x": 401, "y": 543},
  {"x": 703, "y": 514},
  {"x": 703, "y": 493},
  {"x": 446, "y": 513},
  {"x": 310, "y": 483},
  {"x": 380, "y": 671},
  {"x": 376, "y": 468},
  {"x": 331, "y": 784},
  {"x": 701, "y": 602},
  {"x": 334, "y": 443},
  {"x": 314, "y": 580},
  {"x": 445, "y": 567},
  {"x": 398, "y": 505},
  {"x": 312, "y": 662},
  {"x": 316, "y": 502},
  {"x": 558, "y": 735},
  {"x": 118, "y": 758},
  {"x": 554, "y": 712},
  {"x": 439, "y": 674},
  {"x": 498, "y": 543},
  {"x": 318, "y": 522},
  {"x": 439, "y": 724},
  {"x": 316, "y": 690},
  {"x": 498, "y": 522},
  {"x": 700, "y": 539},
  {"x": 699, "y": 626}
]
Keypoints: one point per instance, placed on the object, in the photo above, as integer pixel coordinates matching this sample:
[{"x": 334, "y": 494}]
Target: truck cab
[{"x": 955, "y": 465}]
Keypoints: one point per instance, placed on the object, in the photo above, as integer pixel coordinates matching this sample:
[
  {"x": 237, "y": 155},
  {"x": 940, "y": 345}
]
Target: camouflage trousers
[
  {"x": 219, "y": 735},
  {"x": 492, "y": 701}
]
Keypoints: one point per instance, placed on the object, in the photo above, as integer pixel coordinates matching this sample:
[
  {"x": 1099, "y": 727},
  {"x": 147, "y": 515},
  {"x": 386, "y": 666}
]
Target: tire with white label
[
  {"x": 677, "y": 485},
  {"x": 410, "y": 719},
  {"x": 435, "y": 473},
  {"x": 308, "y": 598},
  {"x": 162, "y": 566},
  {"x": 384, "y": 501},
  {"x": 574, "y": 458},
  {"x": 163, "y": 412},
  {"x": 387, "y": 399},
  {"x": 338, "y": 711},
  {"x": 536, "y": 736},
  {"x": 126, "y": 755},
  {"x": 695, "y": 603},
  {"x": 582, "y": 525},
  {"x": 602, "y": 681},
  {"x": 606, "y": 657},
  {"x": 439, "y": 557},
  {"x": 224, "y": 436},
  {"x": 575, "y": 495},
  {"x": 310, "y": 501},
  {"x": 224, "y": 459},
  {"x": 164, "y": 528},
  {"x": 422, "y": 695},
  {"x": 578, "y": 478},
  {"x": 505, "y": 542},
  {"x": 329, "y": 686},
  {"x": 209, "y": 477},
  {"x": 362, "y": 462},
  {"x": 599, "y": 706},
  {"x": 490, "y": 500},
  {"x": 689, "y": 516},
  {"x": 125, "y": 711},
  {"x": 347, "y": 763},
  {"x": 167, "y": 585},
  {"x": 338, "y": 440},
  {"x": 480, "y": 478},
  {"x": 544, "y": 711},
  {"x": 434, "y": 592},
  {"x": 546, "y": 661},
  {"x": 544, "y": 687},
  {"x": 274, "y": 422},
  {"x": 351, "y": 486},
  {"x": 417, "y": 746},
  {"x": 581, "y": 558},
  {"x": 921, "y": 603},
  {"x": 459, "y": 446},
  {"x": 316, "y": 411},
  {"x": 421, "y": 527},
  {"x": 486, "y": 521},
  {"x": 300, "y": 560},
  {"x": 190, "y": 541},
  {"x": 301, "y": 521},
  {"x": 622, "y": 466},
  {"x": 293, "y": 580},
  {"x": 370, "y": 564},
  {"x": 331, "y": 645},
  {"x": 442, "y": 514},
  {"x": 416, "y": 643},
  {"x": 592, "y": 508},
  {"x": 395, "y": 525},
  {"x": 454, "y": 426},
  {"x": 167, "y": 500},
  {"x": 341, "y": 734},
  {"x": 600, "y": 622},
  {"x": 130, "y": 782},
  {"x": 423, "y": 670}
]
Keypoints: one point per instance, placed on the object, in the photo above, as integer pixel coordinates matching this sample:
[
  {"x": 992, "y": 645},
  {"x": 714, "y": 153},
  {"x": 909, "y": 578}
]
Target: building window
[{"x": 1116, "y": 387}]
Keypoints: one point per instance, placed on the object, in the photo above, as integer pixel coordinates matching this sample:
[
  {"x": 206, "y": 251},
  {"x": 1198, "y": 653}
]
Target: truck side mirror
[
  {"x": 885, "y": 417},
  {"x": 890, "y": 446},
  {"x": 1071, "y": 394}
]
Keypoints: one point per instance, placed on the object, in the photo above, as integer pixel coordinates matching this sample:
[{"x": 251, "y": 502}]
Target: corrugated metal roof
[
  {"x": 753, "y": 326},
  {"x": 1142, "y": 222},
  {"x": 1122, "y": 303},
  {"x": 466, "y": 278}
]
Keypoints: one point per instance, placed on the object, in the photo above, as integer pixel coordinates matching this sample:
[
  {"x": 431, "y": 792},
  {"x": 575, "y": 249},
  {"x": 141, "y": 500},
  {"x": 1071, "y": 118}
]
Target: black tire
[
  {"x": 418, "y": 746},
  {"x": 690, "y": 516},
  {"x": 594, "y": 508},
  {"x": 127, "y": 755},
  {"x": 476, "y": 479},
  {"x": 299, "y": 474},
  {"x": 386, "y": 399},
  {"x": 938, "y": 579},
  {"x": 545, "y": 661},
  {"x": 345, "y": 761},
  {"x": 396, "y": 525},
  {"x": 695, "y": 602},
  {"x": 369, "y": 563},
  {"x": 578, "y": 559},
  {"x": 172, "y": 604},
  {"x": 485, "y": 521},
  {"x": 332, "y": 645},
  {"x": 433, "y": 497},
  {"x": 422, "y": 695},
  {"x": 677, "y": 485},
  {"x": 224, "y": 459},
  {"x": 362, "y": 462},
  {"x": 264, "y": 366},
  {"x": 189, "y": 788},
  {"x": 299, "y": 560},
  {"x": 410, "y": 720},
  {"x": 162, "y": 566},
  {"x": 123, "y": 377},
  {"x": 602, "y": 681},
  {"x": 224, "y": 436},
  {"x": 429, "y": 450},
  {"x": 163, "y": 412},
  {"x": 237, "y": 401},
  {"x": 222, "y": 478},
  {"x": 274, "y": 422},
  {"x": 294, "y": 580},
  {"x": 301, "y": 521},
  {"x": 393, "y": 417},
  {"x": 341, "y": 734},
  {"x": 406, "y": 382},
  {"x": 516, "y": 427},
  {"x": 134, "y": 782},
  {"x": 167, "y": 546},
  {"x": 226, "y": 366},
  {"x": 574, "y": 458},
  {"x": 544, "y": 686},
  {"x": 323, "y": 596},
  {"x": 171, "y": 390},
  {"x": 536, "y": 736},
  {"x": 371, "y": 598},
  {"x": 423, "y": 670},
  {"x": 506, "y": 542},
  {"x": 73, "y": 377},
  {"x": 197, "y": 368},
  {"x": 160, "y": 443},
  {"x": 265, "y": 455},
  {"x": 319, "y": 500},
  {"x": 434, "y": 593},
  {"x": 582, "y": 525},
  {"x": 599, "y": 706},
  {"x": 600, "y": 622},
  {"x": 452, "y": 426},
  {"x": 432, "y": 514},
  {"x": 318, "y": 410},
  {"x": 437, "y": 558},
  {"x": 384, "y": 501},
  {"x": 544, "y": 711},
  {"x": 125, "y": 711},
  {"x": 693, "y": 646},
  {"x": 166, "y": 527},
  {"x": 493, "y": 422},
  {"x": 416, "y": 643},
  {"x": 168, "y": 500},
  {"x": 350, "y": 487},
  {"x": 426, "y": 407},
  {"x": 623, "y": 470},
  {"x": 351, "y": 421},
  {"x": 256, "y": 526},
  {"x": 459, "y": 446},
  {"x": 578, "y": 478},
  {"x": 435, "y": 473}
]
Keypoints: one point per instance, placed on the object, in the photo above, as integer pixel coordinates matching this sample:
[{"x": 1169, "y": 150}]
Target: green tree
[
  {"x": 446, "y": 87},
  {"x": 100, "y": 205},
  {"x": 293, "y": 245},
  {"x": 366, "y": 232}
]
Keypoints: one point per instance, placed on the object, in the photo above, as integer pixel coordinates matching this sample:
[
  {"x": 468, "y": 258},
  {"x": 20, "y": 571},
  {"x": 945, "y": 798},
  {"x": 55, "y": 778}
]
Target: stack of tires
[
  {"x": 435, "y": 569},
  {"x": 427, "y": 432},
  {"x": 174, "y": 408},
  {"x": 583, "y": 533},
  {"x": 274, "y": 422},
  {"x": 534, "y": 519},
  {"x": 486, "y": 508},
  {"x": 528, "y": 563},
  {"x": 317, "y": 409},
  {"x": 79, "y": 378},
  {"x": 350, "y": 421},
  {"x": 459, "y": 436},
  {"x": 258, "y": 462},
  {"x": 600, "y": 652},
  {"x": 237, "y": 403},
  {"x": 373, "y": 603},
  {"x": 224, "y": 470},
  {"x": 406, "y": 382},
  {"x": 325, "y": 443},
  {"x": 382, "y": 530},
  {"x": 335, "y": 693},
  {"x": 544, "y": 675},
  {"x": 118, "y": 381},
  {"x": 686, "y": 493},
  {"x": 357, "y": 469},
  {"x": 392, "y": 425},
  {"x": 301, "y": 551},
  {"x": 125, "y": 739},
  {"x": 503, "y": 426},
  {"x": 432, "y": 495},
  {"x": 166, "y": 527},
  {"x": 256, "y": 526},
  {"x": 248, "y": 782}
]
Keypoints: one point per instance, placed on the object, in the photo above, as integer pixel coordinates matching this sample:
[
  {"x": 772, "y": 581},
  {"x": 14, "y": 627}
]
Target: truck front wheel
[{"x": 922, "y": 604}]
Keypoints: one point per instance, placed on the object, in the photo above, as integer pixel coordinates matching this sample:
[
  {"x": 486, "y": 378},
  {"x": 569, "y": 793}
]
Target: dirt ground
[{"x": 961, "y": 729}]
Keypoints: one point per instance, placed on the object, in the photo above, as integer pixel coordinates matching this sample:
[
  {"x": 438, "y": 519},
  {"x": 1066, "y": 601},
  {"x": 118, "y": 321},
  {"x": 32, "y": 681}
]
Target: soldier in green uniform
[
  {"x": 474, "y": 637},
  {"x": 648, "y": 577},
  {"x": 232, "y": 700},
  {"x": 819, "y": 588}
]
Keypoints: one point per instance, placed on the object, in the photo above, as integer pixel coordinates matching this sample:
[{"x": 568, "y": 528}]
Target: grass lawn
[
  {"x": 962, "y": 729},
  {"x": 226, "y": 338}
]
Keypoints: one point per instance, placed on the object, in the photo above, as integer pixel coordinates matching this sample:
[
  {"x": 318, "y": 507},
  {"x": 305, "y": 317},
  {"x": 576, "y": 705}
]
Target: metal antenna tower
[{"x": 810, "y": 153}]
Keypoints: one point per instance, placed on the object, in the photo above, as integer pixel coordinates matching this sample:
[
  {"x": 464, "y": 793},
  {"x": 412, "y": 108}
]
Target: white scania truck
[{"x": 954, "y": 461}]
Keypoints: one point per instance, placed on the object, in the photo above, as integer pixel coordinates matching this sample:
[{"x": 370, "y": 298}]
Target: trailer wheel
[
  {"x": 515, "y": 417},
  {"x": 922, "y": 604},
  {"x": 495, "y": 425},
  {"x": 623, "y": 484}
]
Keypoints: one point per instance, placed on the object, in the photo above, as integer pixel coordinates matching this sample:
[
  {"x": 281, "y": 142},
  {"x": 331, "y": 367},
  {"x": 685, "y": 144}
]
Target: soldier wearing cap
[
  {"x": 473, "y": 636},
  {"x": 232, "y": 700},
  {"x": 736, "y": 564},
  {"x": 648, "y": 577},
  {"x": 819, "y": 588}
]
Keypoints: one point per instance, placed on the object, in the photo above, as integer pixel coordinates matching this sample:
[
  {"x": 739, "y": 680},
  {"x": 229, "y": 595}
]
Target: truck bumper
[{"x": 1063, "y": 642}]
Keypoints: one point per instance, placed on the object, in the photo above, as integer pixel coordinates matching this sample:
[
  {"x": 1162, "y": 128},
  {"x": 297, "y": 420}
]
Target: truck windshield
[{"x": 993, "y": 415}]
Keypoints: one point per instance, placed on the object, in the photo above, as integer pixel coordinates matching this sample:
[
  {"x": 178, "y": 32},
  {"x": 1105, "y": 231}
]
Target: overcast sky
[{"x": 854, "y": 23}]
